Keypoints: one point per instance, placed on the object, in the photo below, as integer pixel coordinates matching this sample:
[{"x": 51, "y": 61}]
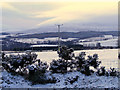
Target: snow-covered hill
[{"x": 106, "y": 40}]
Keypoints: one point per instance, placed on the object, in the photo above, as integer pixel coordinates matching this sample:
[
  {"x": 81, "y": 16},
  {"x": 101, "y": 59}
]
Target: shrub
[
  {"x": 28, "y": 66},
  {"x": 69, "y": 62},
  {"x": 66, "y": 53},
  {"x": 83, "y": 65},
  {"x": 66, "y": 61},
  {"x": 101, "y": 71},
  {"x": 92, "y": 60},
  {"x": 111, "y": 72},
  {"x": 58, "y": 66},
  {"x": 80, "y": 60}
]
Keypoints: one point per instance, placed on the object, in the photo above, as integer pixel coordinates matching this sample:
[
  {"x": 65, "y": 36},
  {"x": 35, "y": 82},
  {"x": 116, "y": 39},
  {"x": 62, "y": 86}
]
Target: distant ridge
[
  {"x": 4, "y": 33},
  {"x": 81, "y": 35}
]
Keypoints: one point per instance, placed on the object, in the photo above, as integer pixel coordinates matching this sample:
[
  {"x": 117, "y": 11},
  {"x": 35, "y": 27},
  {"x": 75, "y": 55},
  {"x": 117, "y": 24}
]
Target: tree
[{"x": 61, "y": 65}]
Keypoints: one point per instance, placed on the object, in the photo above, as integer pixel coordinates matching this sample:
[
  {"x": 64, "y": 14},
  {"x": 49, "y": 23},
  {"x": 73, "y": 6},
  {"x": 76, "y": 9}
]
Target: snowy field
[
  {"x": 107, "y": 40},
  {"x": 107, "y": 56},
  {"x": 36, "y": 40}
]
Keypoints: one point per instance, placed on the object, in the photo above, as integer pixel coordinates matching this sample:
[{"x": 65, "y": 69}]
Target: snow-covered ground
[
  {"x": 3, "y": 36},
  {"x": 36, "y": 40},
  {"x": 109, "y": 42},
  {"x": 44, "y": 45},
  {"x": 83, "y": 81},
  {"x": 106, "y": 40}
]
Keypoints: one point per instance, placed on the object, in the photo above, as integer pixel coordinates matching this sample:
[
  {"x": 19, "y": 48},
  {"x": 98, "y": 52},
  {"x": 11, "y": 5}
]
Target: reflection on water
[{"x": 109, "y": 57}]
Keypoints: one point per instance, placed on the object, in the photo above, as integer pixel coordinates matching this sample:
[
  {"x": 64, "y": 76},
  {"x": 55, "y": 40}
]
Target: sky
[{"x": 42, "y": 16}]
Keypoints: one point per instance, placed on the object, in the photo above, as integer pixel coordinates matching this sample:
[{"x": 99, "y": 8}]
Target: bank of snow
[{"x": 83, "y": 81}]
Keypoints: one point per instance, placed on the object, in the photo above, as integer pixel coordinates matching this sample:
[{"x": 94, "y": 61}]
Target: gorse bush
[
  {"x": 28, "y": 66},
  {"x": 103, "y": 72},
  {"x": 65, "y": 53},
  {"x": 66, "y": 59},
  {"x": 58, "y": 66},
  {"x": 84, "y": 65}
]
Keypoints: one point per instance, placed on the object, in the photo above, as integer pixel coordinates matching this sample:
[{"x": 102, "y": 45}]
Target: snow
[
  {"x": 111, "y": 42},
  {"x": 3, "y": 36},
  {"x": 108, "y": 36},
  {"x": 36, "y": 40},
  {"x": 14, "y": 81},
  {"x": 109, "y": 57},
  {"x": 83, "y": 81},
  {"x": 104, "y": 41},
  {"x": 45, "y": 45}
]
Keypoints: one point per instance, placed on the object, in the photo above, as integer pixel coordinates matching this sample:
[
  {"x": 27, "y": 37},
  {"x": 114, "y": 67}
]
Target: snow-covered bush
[
  {"x": 66, "y": 53},
  {"x": 65, "y": 63},
  {"x": 28, "y": 66},
  {"x": 103, "y": 72},
  {"x": 80, "y": 60},
  {"x": 58, "y": 66},
  {"x": 13, "y": 62},
  {"x": 92, "y": 60},
  {"x": 113, "y": 72},
  {"x": 83, "y": 65},
  {"x": 37, "y": 74},
  {"x": 71, "y": 80},
  {"x": 70, "y": 62}
]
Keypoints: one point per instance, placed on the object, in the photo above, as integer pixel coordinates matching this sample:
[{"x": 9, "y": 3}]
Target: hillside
[{"x": 65, "y": 35}]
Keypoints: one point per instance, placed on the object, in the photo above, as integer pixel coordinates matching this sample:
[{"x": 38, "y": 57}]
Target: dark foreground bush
[
  {"x": 58, "y": 66},
  {"x": 103, "y": 72},
  {"x": 28, "y": 66},
  {"x": 83, "y": 65},
  {"x": 65, "y": 62}
]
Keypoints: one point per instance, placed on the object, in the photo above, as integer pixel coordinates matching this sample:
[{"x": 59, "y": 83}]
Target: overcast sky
[{"x": 75, "y": 15}]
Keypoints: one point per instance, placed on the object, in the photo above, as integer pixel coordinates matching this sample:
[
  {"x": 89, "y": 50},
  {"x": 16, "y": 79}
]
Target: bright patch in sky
[{"x": 18, "y": 16}]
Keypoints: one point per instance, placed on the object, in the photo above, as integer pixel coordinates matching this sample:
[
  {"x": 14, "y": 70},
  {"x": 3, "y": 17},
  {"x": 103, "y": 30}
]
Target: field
[{"x": 109, "y": 57}]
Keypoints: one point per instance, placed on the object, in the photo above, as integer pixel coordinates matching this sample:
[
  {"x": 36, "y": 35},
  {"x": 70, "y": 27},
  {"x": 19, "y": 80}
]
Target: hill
[{"x": 64, "y": 35}]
